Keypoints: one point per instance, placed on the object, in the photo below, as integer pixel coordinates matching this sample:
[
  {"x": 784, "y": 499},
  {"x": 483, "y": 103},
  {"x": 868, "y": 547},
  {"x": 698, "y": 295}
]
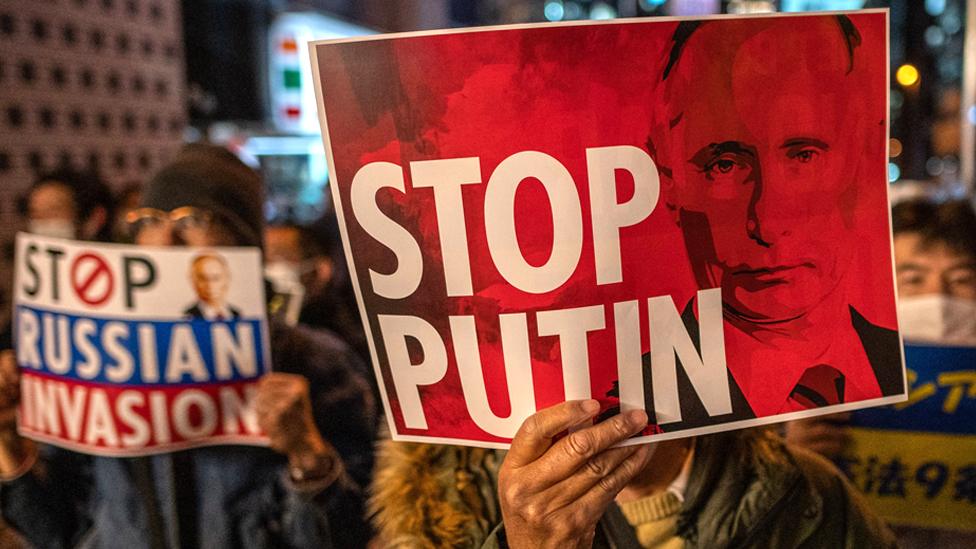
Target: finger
[
  {"x": 535, "y": 435},
  {"x": 275, "y": 378},
  {"x": 272, "y": 383},
  {"x": 272, "y": 389},
  {"x": 828, "y": 443},
  {"x": 283, "y": 389},
  {"x": 833, "y": 420},
  {"x": 573, "y": 451},
  {"x": 825, "y": 431},
  {"x": 264, "y": 395},
  {"x": 842, "y": 418},
  {"x": 572, "y": 488},
  {"x": 279, "y": 378},
  {"x": 828, "y": 449},
  {"x": 269, "y": 422},
  {"x": 263, "y": 408},
  {"x": 270, "y": 406},
  {"x": 801, "y": 432},
  {"x": 596, "y": 499},
  {"x": 270, "y": 392}
]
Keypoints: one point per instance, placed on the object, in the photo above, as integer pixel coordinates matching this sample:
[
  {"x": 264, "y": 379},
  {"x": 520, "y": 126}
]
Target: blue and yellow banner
[{"x": 916, "y": 461}]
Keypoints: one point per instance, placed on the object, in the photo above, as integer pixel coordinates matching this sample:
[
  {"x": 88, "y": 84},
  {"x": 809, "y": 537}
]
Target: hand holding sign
[
  {"x": 284, "y": 412},
  {"x": 553, "y": 492}
]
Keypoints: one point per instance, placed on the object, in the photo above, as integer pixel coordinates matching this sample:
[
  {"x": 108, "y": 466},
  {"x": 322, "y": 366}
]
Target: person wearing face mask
[
  {"x": 291, "y": 254},
  {"x": 293, "y": 264},
  {"x": 305, "y": 263},
  {"x": 935, "y": 265},
  {"x": 69, "y": 204},
  {"x": 935, "y": 260},
  {"x": 64, "y": 204}
]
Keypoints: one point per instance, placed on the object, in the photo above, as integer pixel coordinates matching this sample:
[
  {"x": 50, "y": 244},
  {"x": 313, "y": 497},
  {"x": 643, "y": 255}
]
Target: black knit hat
[{"x": 212, "y": 178}]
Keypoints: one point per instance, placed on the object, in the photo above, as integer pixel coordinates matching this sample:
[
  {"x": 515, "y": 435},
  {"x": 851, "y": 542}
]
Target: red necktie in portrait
[{"x": 820, "y": 385}]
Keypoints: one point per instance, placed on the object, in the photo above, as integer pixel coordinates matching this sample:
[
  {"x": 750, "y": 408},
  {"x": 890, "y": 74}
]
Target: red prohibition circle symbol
[{"x": 87, "y": 271}]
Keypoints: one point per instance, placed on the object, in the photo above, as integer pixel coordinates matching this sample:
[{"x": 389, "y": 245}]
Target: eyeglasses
[{"x": 185, "y": 220}]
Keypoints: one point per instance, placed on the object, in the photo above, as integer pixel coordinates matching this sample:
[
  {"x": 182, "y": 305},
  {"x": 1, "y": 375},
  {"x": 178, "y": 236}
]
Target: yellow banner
[{"x": 915, "y": 479}]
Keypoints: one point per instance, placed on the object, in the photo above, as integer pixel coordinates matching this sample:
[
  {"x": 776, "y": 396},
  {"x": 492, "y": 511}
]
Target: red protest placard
[{"x": 684, "y": 215}]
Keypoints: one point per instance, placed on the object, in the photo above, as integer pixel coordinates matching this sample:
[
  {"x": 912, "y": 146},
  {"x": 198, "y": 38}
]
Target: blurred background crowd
[{"x": 97, "y": 95}]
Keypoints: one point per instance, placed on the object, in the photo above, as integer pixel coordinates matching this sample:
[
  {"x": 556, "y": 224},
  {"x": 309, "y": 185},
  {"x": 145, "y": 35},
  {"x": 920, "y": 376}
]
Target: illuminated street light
[
  {"x": 554, "y": 11},
  {"x": 907, "y": 75},
  {"x": 894, "y": 148}
]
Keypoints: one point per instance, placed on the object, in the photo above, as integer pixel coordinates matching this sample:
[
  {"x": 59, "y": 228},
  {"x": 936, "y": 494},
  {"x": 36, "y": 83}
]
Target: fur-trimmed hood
[{"x": 432, "y": 495}]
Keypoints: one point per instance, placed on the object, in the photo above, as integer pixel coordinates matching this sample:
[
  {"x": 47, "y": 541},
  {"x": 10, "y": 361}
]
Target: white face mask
[
  {"x": 937, "y": 318},
  {"x": 289, "y": 292},
  {"x": 283, "y": 275},
  {"x": 56, "y": 228}
]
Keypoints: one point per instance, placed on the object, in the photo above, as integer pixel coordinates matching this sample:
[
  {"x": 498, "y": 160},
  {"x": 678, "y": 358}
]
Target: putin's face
[
  {"x": 763, "y": 161},
  {"x": 210, "y": 280}
]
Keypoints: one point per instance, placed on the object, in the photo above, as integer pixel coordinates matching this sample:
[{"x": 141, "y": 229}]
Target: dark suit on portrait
[
  {"x": 881, "y": 346},
  {"x": 195, "y": 312}
]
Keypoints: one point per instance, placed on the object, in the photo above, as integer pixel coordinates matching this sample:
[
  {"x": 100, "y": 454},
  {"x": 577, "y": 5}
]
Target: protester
[
  {"x": 735, "y": 489},
  {"x": 315, "y": 407},
  {"x": 290, "y": 253},
  {"x": 295, "y": 265},
  {"x": 66, "y": 204},
  {"x": 311, "y": 257},
  {"x": 69, "y": 204},
  {"x": 935, "y": 262}
]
